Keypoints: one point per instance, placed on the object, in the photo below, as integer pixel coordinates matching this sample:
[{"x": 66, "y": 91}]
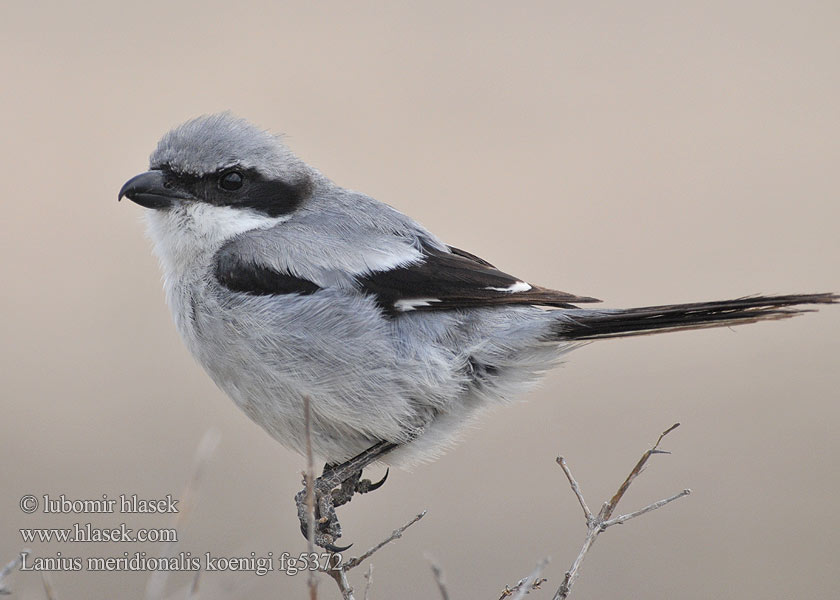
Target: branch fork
[{"x": 596, "y": 524}]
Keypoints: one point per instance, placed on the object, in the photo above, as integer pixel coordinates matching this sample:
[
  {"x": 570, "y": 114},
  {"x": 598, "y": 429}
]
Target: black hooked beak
[{"x": 152, "y": 190}]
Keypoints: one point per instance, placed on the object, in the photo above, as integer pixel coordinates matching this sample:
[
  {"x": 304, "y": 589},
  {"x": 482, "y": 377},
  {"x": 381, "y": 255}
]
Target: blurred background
[{"x": 643, "y": 153}]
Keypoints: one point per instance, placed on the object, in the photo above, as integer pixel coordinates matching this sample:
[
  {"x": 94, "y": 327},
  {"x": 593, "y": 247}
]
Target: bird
[{"x": 291, "y": 290}]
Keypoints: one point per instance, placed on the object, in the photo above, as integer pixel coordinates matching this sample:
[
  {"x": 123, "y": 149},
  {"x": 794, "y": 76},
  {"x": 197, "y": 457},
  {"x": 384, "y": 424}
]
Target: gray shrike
[{"x": 284, "y": 285}]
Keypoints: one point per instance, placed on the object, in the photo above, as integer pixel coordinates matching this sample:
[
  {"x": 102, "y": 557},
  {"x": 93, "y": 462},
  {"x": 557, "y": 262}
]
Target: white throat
[{"x": 190, "y": 233}]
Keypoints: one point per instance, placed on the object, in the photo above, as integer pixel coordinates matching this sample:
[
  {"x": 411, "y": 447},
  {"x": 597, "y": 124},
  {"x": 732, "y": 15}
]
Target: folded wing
[{"x": 437, "y": 280}]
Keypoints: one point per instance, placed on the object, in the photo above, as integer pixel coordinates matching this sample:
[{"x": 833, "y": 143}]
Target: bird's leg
[{"x": 335, "y": 487}]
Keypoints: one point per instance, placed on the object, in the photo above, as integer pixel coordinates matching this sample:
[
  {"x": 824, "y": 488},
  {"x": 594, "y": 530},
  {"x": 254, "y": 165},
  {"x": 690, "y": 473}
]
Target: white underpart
[
  {"x": 519, "y": 286},
  {"x": 406, "y": 305}
]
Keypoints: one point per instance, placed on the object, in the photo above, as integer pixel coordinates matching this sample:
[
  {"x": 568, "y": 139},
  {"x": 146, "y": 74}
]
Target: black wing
[
  {"x": 456, "y": 279},
  {"x": 441, "y": 281},
  {"x": 259, "y": 280}
]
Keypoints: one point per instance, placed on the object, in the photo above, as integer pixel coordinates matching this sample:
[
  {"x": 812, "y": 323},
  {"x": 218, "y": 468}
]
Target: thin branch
[
  {"x": 575, "y": 488},
  {"x": 340, "y": 576},
  {"x": 646, "y": 509},
  {"x": 49, "y": 590},
  {"x": 531, "y": 582},
  {"x": 309, "y": 478},
  {"x": 636, "y": 472},
  {"x": 597, "y": 524},
  {"x": 339, "y": 572},
  {"x": 11, "y": 566},
  {"x": 156, "y": 584},
  {"x": 571, "y": 575},
  {"x": 192, "y": 592},
  {"x": 437, "y": 571},
  {"x": 368, "y": 581},
  {"x": 396, "y": 534}
]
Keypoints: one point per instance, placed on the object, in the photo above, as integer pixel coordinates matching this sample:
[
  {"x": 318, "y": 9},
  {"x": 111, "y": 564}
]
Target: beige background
[{"x": 638, "y": 152}]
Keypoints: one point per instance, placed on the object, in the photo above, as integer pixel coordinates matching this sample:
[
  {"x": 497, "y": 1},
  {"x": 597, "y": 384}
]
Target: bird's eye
[{"x": 231, "y": 181}]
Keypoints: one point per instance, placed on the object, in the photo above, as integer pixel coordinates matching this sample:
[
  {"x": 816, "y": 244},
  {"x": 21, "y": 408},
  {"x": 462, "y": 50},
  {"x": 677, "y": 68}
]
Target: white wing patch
[
  {"x": 519, "y": 286},
  {"x": 393, "y": 257},
  {"x": 407, "y": 304}
]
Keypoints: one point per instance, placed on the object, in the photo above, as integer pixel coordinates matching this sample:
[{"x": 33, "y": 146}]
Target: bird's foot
[
  {"x": 334, "y": 488},
  {"x": 326, "y": 527},
  {"x": 326, "y": 499}
]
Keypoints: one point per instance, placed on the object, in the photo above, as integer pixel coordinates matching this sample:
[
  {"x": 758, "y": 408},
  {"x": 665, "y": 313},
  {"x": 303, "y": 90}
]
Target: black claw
[
  {"x": 337, "y": 549},
  {"x": 378, "y": 484}
]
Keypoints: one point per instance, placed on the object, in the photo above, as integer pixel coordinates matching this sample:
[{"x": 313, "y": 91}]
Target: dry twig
[
  {"x": 309, "y": 479},
  {"x": 437, "y": 571},
  {"x": 396, "y": 534},
  {"x": 340, "y": 577},
  {"x": 600, "y": 522},
  {"x": 596, "y": 524},
  {"x": 156, "y": 583},
  {"x": 368, "y": 581},
  {"x": 49, "y": 590},
  {"x": 192, "y": 593},
  {"x": 337, "y": 571},
  {"x": 10, "y": 566},
  {"x": 525, "y": 585}
]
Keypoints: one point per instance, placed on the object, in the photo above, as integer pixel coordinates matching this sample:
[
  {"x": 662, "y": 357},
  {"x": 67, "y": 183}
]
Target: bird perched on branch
[{"x": 286, "y": 286}]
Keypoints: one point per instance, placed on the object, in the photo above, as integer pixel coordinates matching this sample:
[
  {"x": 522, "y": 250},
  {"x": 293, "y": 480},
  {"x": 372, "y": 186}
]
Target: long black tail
[{"x": 596, "y": 324}]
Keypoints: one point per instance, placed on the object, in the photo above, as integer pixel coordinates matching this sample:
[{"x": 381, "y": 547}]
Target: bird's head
[{"x": 216, "y": 176}]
